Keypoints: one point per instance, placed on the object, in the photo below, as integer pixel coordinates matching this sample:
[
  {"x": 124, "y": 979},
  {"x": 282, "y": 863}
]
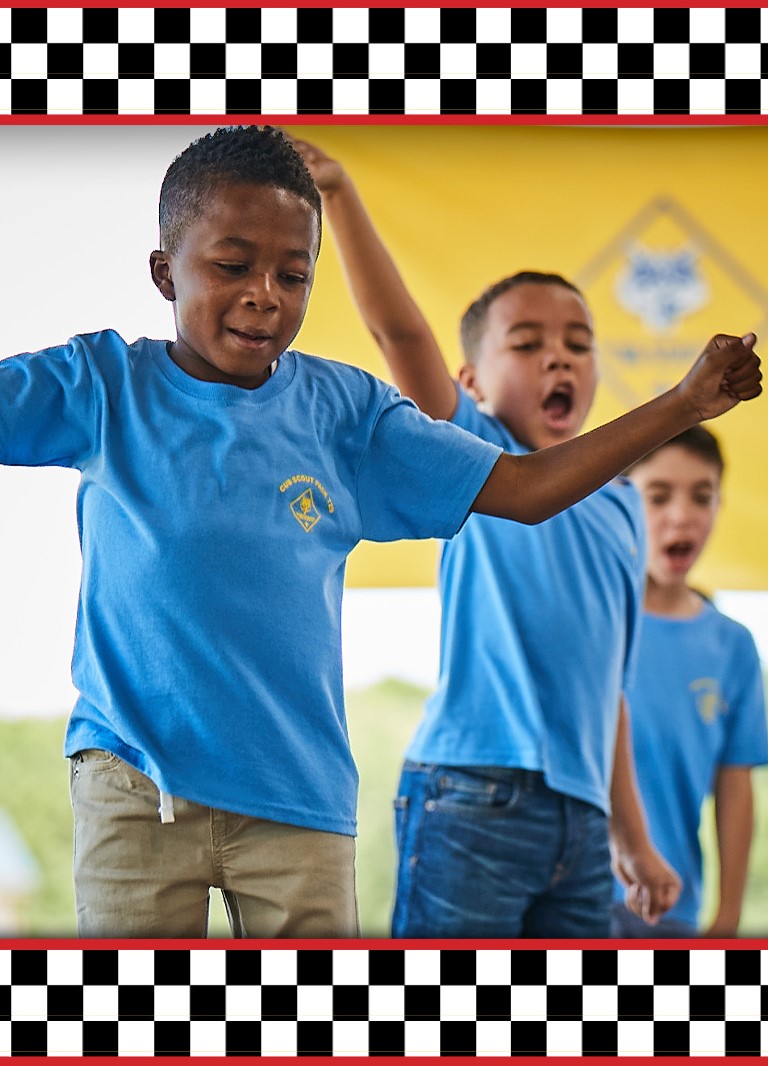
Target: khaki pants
[{"x": 138, "y": 877}]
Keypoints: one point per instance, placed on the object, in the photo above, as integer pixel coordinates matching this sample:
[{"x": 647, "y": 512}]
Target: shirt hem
[{"x": 269, "y": 812}]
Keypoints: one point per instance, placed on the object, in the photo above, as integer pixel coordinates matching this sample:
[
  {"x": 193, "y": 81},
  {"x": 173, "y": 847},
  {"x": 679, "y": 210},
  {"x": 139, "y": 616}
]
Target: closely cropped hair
[
  {"x": 252, "y": 155},
  {"x": 473, "y": 320},
  {"x": 697, "y": 440}
]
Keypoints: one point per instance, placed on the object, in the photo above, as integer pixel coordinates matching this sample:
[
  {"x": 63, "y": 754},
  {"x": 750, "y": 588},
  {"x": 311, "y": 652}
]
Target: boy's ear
[
  {"x": 468, "y": 381},
  {"x": 160, "y": 268}
]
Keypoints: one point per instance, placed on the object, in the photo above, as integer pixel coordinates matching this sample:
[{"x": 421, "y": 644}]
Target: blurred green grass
[{"x": 34, "y": 792}]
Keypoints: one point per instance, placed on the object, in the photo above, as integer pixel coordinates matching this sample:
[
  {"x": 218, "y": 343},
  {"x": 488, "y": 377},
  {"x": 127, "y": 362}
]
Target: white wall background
[
  {"x": 78, "y": 223},
  {"x": 78, "y": 220}
]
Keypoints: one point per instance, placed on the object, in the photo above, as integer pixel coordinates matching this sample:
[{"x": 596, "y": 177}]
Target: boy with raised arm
[
  {"x": 523, "y": 753},
  {"x": 224, "y": 480}
]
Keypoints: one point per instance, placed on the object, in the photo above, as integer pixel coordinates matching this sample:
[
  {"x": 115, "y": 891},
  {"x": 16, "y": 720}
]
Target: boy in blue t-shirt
[
  {"x": 224, "y": 480},
  {"x": 522, "y": 754},
  {"x": 696, "y": 704}
]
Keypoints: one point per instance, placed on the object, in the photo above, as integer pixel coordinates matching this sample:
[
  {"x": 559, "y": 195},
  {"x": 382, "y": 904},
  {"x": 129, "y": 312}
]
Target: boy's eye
[
  {"x": 580, "y": 349},
  {"x": 657, "y": 499},
  {"x": 232, "y": 268},
  {"x": 295, "y": 279},
  {"x": 704, "y": 499},
  {"x": 528, "y": 346}
]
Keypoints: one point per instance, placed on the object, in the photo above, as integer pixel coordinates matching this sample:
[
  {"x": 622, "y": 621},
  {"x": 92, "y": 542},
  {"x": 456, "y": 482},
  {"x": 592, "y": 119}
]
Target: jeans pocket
[
  {"x": 93, "y": 760},
  {"x": 459, "y": 790}
]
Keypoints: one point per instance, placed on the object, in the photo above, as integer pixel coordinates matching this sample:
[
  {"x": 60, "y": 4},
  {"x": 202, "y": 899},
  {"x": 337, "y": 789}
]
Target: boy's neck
[{"x": 671, "y": 601}]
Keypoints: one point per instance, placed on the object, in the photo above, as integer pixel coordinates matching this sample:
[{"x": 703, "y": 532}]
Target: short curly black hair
[
  {"x": 254, "y": 155},
  {"x": 473, "y": 320}
]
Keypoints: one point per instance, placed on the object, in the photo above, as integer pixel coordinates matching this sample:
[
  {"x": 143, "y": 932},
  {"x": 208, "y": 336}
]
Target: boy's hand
[
  {"x": 328, "y": 174},
  {"x": 652, "y": 886},
  {"x": 726, "y": 372}
]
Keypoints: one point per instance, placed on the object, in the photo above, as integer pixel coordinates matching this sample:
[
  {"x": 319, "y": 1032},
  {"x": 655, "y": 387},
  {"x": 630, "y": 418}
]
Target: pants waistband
[{"x": 526, "y": 778}]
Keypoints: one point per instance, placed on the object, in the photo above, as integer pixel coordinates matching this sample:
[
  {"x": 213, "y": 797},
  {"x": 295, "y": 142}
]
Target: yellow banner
[{"x": 665, "y": 231}]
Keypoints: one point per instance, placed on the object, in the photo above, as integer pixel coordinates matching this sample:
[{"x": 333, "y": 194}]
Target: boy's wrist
[
  {"x": 629, "y": 836},
  {"x": 728, "y": 912},
  {"x": 690, "y": 415},
  {"x": 631, "y": 850},
  {"x": 682, "y": 409},
  {"x": 341, "y": 186},
  {"x": 724, "y": 923}
]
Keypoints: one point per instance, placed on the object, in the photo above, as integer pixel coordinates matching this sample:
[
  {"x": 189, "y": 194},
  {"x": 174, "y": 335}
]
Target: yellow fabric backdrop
[{"x": 462, "y": 206}]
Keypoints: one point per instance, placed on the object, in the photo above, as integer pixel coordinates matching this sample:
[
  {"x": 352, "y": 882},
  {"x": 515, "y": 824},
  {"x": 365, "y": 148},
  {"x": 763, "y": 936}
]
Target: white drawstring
[{"x": 166, "y": 807}]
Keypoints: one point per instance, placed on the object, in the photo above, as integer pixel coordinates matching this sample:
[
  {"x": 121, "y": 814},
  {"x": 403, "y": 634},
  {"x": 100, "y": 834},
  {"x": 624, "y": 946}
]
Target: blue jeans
[
  {"x": 493, "y": 852},
  {"x": 627, "y": 926}
]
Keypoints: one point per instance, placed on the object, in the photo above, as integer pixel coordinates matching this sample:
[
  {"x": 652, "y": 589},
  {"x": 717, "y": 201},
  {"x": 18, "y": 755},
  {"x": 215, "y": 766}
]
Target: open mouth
[
  {"x": 559, "y": 403},
  {"x": 681, "y": 553}
]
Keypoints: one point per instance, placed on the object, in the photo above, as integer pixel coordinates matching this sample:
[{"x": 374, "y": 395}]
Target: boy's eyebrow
[
  {"x": 241, "y": 242},
  {"x": 540, "y": 325},
  {"x": 702, "y": 483}
]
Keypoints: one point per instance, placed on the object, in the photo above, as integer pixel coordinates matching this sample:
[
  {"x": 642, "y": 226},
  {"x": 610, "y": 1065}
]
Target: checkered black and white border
[
  {"x": 385, "y": 1000},
  {"x": 384, "y": 61}
]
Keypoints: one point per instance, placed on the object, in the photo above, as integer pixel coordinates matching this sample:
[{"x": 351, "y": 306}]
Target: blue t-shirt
[
  {"x": 538, "y": 632},
  {"x": 696, "y": 704},
  {"x": 215, "y": 523}
]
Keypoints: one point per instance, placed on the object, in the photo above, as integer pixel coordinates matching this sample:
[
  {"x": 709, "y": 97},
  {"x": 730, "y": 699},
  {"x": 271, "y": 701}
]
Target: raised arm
[
  {"x": 388, "y": 310},
  {"x": 531, "y": 488}
]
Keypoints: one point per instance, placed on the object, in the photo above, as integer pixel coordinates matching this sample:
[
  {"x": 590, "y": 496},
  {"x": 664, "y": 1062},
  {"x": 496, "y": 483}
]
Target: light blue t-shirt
[
  {"x": 539, "y": 627},
  {"x": 215, "y": 523},
  {"x": 696, "y": 704}
]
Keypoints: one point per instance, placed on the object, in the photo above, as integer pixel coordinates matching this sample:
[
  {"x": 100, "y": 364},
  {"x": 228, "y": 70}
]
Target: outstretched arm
[
  {"x": 531, "y": 488},
  {"x": 734, "y": 822},
  {"x": 652, "y": 886},
  {"x": 388, "y": 310}
]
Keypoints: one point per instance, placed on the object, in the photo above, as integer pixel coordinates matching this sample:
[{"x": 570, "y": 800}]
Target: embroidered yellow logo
[
  {"x": 709, "y": 698},
  {"x": 304, "y": 511}
]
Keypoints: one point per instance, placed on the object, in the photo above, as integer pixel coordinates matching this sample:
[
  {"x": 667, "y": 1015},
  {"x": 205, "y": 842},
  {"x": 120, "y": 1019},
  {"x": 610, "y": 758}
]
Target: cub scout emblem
[
  {"x": 304, "y": 511},
  {"x": 661, "y": 287},
  {"x": 709, "y": 698}
]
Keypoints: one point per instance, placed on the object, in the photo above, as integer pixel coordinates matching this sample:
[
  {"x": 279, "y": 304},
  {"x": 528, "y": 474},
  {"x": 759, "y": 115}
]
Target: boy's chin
[
  {"x": 548, "y": 436},
  {"x": 535, "y": 434}
]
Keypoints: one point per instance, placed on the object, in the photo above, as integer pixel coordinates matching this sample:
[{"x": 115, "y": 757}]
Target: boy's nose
[
  {"x": 680, "y": 513},
  {"x": 260, "y": 293},
  {"x": 556, "y": 357}
]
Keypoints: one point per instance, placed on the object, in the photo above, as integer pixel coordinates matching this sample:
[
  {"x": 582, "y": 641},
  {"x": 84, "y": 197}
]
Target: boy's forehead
[
  {"x": 675, "y": 463},
  {"x": 535, "y": 303},
  {"x": 239, "y": 212}
]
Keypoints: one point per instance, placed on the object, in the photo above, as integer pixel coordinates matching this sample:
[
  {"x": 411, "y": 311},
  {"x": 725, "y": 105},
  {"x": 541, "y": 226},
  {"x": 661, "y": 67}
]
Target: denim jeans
[
  {"x": 625, "y": 925},
  {"x": 493, "y": 852}
]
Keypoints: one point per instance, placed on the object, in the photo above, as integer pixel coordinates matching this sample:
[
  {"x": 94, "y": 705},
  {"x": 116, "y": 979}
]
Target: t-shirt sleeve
[
  {"x": 418, "y": 478},
  {"x": 746, "y": 742},
  {"x": 468, "y": 416},
  {"x": 46, "y": 407}
]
